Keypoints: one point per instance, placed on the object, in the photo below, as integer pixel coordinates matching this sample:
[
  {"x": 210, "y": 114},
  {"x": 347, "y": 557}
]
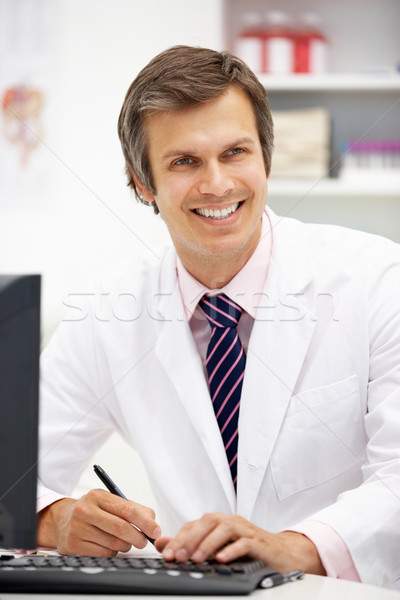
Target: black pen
[
  {"x": 279, "y": 578},
  {"x": 114, "y": 489}
]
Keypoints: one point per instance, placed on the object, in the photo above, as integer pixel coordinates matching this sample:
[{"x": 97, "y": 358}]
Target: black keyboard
[{"x": 128, "y": 575}]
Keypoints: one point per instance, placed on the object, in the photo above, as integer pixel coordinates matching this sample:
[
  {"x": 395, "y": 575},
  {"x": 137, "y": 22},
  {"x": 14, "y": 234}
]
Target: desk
[{"x": 311, "y": 587}]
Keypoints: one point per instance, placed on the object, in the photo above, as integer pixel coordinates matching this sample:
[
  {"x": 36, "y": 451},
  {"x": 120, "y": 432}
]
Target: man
[{"x": 309, "y": 477}]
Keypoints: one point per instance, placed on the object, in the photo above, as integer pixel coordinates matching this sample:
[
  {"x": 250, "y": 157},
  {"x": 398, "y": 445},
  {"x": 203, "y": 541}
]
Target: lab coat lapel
[
  {"x": 178, "y": 355},
  {"x": 277, "y": 348}
]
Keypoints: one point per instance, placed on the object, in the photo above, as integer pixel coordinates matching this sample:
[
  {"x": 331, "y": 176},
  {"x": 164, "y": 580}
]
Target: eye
[
  {"x": 235, "y": 151},
  {"x": 184, "y": 161}
]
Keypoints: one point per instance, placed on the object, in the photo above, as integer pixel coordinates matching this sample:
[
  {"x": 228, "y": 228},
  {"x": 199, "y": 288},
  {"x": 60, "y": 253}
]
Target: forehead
[{"x": 213, "y": 123}]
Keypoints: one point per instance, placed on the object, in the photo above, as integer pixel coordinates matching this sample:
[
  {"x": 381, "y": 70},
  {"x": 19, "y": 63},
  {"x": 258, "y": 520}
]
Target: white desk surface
[{"x": 311, "y": 587}]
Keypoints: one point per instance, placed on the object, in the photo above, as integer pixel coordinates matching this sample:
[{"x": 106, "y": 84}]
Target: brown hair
[{"x": 179, "y": 77}]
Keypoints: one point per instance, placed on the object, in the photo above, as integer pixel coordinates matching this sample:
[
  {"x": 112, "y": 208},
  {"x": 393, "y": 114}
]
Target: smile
[{"x": 217, "y": 214}]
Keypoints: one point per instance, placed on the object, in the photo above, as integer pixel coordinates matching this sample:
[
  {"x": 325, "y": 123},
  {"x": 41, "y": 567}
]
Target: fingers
[
  {"x": 102, "y": 524},
  {"x": 81, "y": 535},
  {"x": 119, "y": 515},
  {"x": 221, "y": 531},
  {"x": 241, "y": 547},
  {"x": 202, "y": 539},
  {"x": 229, "y": 537},
  {"x": 161, "y": 542},
  {"x": 188, "y": 540}
]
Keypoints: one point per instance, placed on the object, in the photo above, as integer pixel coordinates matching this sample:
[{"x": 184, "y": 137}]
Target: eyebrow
[{"x": 244, "y": 141}]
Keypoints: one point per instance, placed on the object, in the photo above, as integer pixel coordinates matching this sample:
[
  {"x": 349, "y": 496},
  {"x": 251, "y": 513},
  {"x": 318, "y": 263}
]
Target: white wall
[{"x": 70, "y": 213}]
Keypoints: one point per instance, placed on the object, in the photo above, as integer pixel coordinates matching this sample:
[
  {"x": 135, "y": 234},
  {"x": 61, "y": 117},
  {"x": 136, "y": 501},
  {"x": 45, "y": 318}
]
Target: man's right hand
[{"x": 98, "y": 524}]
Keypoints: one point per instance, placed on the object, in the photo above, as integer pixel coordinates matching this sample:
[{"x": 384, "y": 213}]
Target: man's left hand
[{"x": 228, "y": 537}]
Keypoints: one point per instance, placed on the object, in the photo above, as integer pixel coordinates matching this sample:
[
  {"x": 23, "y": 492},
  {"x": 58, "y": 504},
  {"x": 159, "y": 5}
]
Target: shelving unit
[
  {"x": 332, "y": 82},
  {"x": 332, "y": 188},
  {"x": 361, "y": 93}
]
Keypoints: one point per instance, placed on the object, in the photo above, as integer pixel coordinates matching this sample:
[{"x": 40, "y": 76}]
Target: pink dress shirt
[{"x": 246, "y": 289}]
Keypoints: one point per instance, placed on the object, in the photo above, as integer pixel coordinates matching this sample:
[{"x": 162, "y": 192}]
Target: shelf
[
  {"x": 335, "y": 188},
  {"x": 332, "y": 82}
]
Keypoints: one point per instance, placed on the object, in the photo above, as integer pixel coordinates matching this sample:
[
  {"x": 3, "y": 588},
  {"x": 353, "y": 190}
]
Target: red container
[{"x": 311, "y": 47}]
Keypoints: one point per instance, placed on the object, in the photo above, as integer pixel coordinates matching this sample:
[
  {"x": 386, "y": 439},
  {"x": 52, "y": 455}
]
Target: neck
[{"x": 216, "y": 272}]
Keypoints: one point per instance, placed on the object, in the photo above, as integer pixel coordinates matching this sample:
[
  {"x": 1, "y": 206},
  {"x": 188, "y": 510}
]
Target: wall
[{"x": 70, "y": 213}]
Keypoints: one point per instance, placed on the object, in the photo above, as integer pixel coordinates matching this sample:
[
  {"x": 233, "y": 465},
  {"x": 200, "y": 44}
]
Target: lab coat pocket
[{"x": 321, "y": 437}]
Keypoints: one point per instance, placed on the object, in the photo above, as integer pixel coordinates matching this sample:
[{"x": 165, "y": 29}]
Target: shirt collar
[{"x": 245, "y": 288}]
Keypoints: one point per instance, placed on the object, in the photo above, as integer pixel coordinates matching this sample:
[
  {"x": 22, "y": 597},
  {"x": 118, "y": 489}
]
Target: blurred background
[{"x": 332, "y": 73}]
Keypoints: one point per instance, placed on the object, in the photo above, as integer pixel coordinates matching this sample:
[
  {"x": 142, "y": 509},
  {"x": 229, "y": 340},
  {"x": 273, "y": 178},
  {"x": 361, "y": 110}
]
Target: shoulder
[
  {"x": 144, "y": 270},
  {"x": 123, "y": 286},
  {"x": 331, "y": 246}
]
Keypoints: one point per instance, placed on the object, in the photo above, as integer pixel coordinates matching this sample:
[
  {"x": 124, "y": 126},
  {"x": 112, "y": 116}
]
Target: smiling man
[
  {"x": 209, "y": 173},
  {"x": 266, "y": 417}
]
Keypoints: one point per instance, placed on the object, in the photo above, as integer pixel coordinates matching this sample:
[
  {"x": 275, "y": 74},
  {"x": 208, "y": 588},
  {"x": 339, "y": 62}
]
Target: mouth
[{"x": 217, "y": 213}]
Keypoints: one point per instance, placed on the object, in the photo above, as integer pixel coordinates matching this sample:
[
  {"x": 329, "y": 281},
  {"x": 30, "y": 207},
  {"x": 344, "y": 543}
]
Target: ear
[{"x": 146, "y": 194}]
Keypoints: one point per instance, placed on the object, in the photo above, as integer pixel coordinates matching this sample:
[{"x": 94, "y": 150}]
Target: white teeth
[{"x": 217, "y": 214}]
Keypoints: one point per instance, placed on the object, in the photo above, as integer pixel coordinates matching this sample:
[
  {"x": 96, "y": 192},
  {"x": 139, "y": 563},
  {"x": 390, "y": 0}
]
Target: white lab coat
[{"x": 319, "y": 427}]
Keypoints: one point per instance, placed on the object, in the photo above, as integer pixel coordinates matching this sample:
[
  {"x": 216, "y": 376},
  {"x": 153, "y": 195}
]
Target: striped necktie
[{"x": 225, "y": 364}]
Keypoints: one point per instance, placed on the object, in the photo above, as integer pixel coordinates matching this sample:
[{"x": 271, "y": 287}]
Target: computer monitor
[{"x": 19, "y": 383}]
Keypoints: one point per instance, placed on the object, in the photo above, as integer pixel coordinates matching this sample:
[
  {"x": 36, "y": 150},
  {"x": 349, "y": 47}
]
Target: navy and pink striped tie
[{"x": 225, "y": 363}]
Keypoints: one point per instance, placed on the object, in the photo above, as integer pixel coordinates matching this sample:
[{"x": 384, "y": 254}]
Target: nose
[{"x": 214, "y": 179}]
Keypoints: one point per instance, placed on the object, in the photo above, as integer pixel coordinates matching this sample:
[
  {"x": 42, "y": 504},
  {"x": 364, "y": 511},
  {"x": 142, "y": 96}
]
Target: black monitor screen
[{"x": 19, "y": 382}]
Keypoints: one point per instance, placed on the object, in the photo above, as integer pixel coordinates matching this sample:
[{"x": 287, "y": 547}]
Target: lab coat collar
[
  {"x": 278, "y": 345},
  {"x": 183, "y": 365}
]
